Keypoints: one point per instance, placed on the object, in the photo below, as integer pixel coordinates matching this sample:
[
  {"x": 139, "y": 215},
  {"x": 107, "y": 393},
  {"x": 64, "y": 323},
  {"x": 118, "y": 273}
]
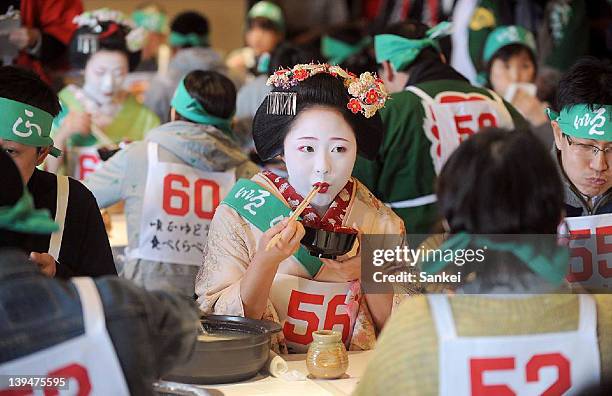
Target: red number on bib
[
  {"x": 584, "y": 254},
  {"x": 293, "y": 311},
  {"x": 331, "y": 316},
  {"x": 199, "y": 185},
  {"x": 75, "y": 371},
  {"x": 563, "y": 382},
  {"x": 87, "y": 164},
  {"x": 486, "y": 120},
  {"x": 182, "y": 196},
  {"x": 477, "y": 369},
  {"x": 604, "y": 247},
  {"x": 463, "y": 130},
  {"x": 532, "y": 373},
  {"x": 170, "y": 192}
]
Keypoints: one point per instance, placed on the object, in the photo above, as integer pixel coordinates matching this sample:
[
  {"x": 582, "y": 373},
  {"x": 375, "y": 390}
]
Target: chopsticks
[{"x": 295, "y": 215}]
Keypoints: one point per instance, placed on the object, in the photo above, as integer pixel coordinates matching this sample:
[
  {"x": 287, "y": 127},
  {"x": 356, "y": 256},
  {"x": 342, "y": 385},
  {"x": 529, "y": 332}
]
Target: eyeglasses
[{"x": 588, "y": 151}]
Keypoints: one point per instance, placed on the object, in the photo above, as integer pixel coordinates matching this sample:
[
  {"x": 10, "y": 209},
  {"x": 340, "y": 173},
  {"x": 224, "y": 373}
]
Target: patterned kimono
[{"x": 233, "y": 240}]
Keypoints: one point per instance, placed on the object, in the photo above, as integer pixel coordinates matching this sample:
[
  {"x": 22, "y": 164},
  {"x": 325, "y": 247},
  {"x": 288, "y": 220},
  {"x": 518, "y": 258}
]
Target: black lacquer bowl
[
  {"x": 241, "y": 350},
  {"x": 329, "y": 244}
]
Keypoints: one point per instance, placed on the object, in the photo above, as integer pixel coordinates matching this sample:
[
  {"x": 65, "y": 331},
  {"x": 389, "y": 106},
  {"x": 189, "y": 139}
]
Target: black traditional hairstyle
[
  {"x": 588, "y": 81},
  {"x": 189, "y": 22},
  {"x": 25, "y": 86},
  {"x": 287, "y": 55},
  {"x": 108, "y": 36},
  {"x": 500, "y": 182},
  {"x": 269, "y": 130}
]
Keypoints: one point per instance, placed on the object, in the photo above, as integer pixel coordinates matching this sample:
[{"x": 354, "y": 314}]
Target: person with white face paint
[
  {"x": 317, "y": 126},
  {"x": 100, "y": 113}
]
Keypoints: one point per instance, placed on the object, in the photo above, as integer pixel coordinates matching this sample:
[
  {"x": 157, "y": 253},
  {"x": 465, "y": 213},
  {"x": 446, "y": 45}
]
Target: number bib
[
  {"x": 305, "y": 305},
  {"x": 539, "y": 364},
  {"x": 88, "y": 363},
  {"x": 179, "y": 206},
  {"x": 452, "y": 117},
  {"x": 591, "y": 250},
  {"x": 82, "y": 160}
]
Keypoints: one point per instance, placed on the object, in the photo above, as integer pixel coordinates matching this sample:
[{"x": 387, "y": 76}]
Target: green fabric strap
[
  {"x": 26, "y": 124},
  {"x": 177, "y": 39},
  {"x": 551, "y": 264},
  {"x": 268, "y": 10},
  {"x": 23, "y": 217},
  {"x": 191, "y": 109},
  {"x": 337, "y": 51},
  {"x": 585, "y": 121},
  {"x": 262, "y": 209},
  {"x": 401, "y": 51}
]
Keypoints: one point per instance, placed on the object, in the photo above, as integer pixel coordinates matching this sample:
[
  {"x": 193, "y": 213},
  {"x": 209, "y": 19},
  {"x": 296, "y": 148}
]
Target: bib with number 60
[{"x": 179, "y": 204}]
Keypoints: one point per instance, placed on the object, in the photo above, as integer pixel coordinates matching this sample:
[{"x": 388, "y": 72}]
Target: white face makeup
[
  {"x": 320, "y": 148},
  {"x": 104, "y": 75}
]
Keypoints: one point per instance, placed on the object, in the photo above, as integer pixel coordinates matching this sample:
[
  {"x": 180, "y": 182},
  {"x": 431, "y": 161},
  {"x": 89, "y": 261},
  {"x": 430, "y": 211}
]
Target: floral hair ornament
[{"x": 368, "y": 93}]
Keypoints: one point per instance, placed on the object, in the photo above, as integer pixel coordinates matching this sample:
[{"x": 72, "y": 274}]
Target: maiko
[{"x": 442, "y": 277}]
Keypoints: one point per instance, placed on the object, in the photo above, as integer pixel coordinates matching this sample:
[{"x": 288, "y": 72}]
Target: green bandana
[
  {"x": 337, "y": 51},
  {"x": 23, "y": 217},
  {"x": 263, "y": 63},
  {"x": 401, "y": 51},
  {"x": 268, "y": 10},
  {"x": 550, "y": 262},
  {"x": 150, "y": 20},
  {"x": 507, "y": 35},
  {"x": 579, "y": 121},
  {"x": 177, "y": 39},
  {"x": 26, "y": 124},
  {"x": 191, "y": 109}
]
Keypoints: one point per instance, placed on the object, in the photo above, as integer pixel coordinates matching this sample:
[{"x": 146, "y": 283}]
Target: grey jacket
[
  {"x": 151, "y": 331},
  {"x": 123, "y": 177}
]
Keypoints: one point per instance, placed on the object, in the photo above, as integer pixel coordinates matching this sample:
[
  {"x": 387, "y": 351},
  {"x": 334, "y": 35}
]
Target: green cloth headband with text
[
  {"x": 585, "y": 121},
  {"x": 26, "y": 124}
]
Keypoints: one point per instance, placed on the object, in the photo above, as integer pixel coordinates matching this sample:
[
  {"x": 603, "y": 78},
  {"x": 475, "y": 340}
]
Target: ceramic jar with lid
[{"x": 327, "y": 357}]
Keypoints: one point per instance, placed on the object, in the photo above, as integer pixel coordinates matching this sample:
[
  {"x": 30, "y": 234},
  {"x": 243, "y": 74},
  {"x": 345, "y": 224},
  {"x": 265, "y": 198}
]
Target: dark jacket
[
  {"x": 85, "y": 248},
  {"x": 575, "y": 204},
  {"x": 151, "y": 331}
]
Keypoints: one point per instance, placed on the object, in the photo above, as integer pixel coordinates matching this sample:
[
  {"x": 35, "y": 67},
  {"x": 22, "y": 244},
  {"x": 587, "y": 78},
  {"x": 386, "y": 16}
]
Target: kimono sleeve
[{"x": 226, "y": 258}]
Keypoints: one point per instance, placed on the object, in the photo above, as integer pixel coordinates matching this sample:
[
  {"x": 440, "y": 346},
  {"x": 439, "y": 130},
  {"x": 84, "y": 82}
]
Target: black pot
[
  {"x": 232, "y": 360},
  {"x": 327, "y": 244}
]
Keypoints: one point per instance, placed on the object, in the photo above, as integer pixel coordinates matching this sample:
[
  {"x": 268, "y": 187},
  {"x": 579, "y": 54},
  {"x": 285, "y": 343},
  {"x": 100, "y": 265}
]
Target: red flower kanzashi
[
  {"x": 354, "y": 106},
  {"x": 300, "y": 74},
  {"x": 371, "y": 96}
]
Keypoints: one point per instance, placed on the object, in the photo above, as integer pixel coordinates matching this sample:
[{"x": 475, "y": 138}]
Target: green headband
[
  {"x": 191, "y": 109},
  {"x": 23, "y": 217},
  {"x": 177, "y": 39},
  {"x": 26, "y": 124},
  {"x": 551, "y": 264},
  {"x": 401, "y": 51},
  {"x": 152, "y": 20},
  {"x": 579, "y": 121},
  {"x": 507, "y": 35},
  {"x": 337, "y": 51},
  {"x": 268, "y": 10}
]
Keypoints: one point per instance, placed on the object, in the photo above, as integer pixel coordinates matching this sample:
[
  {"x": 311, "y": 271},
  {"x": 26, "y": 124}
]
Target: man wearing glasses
[{"x": 583, "y": 137}]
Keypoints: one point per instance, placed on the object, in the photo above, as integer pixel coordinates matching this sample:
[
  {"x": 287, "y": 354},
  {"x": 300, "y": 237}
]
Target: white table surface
[{"x": 271, "y": 386}]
